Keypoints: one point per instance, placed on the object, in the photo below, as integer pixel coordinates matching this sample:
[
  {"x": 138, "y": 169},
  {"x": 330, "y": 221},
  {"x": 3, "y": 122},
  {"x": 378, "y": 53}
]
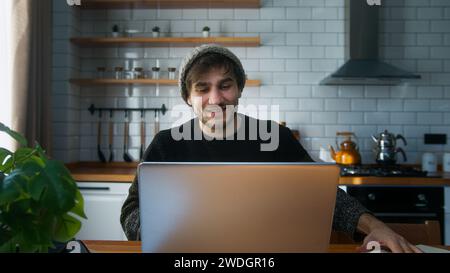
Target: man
[{"x": 212, "y": 79}]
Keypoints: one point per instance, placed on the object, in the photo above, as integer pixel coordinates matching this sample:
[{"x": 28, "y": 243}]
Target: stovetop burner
[{"x": 382, "y": 171}]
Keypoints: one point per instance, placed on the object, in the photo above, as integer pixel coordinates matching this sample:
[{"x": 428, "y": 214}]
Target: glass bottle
[
  {"x": 155, "y": 73},
  {"x": 118, "y": 73},
  {"x": 172, "y": 73}
]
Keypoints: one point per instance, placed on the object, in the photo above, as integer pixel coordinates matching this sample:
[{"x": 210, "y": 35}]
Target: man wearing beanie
[{"x": 211, "y": 81}]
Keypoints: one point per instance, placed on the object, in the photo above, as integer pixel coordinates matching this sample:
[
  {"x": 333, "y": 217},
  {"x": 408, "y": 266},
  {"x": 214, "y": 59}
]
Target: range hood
[{"x": 363, "y": 66}]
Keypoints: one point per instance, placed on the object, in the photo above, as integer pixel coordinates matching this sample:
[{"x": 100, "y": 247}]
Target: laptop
[{"x": 236, "y": 207}]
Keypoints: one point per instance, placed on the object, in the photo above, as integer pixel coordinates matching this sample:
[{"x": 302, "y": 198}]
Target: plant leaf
[
  {"x": 11, "y": 187},
  {"x": 6, "y": 160},
  {"x": 59, "y": 196},
  {"x": 66, "y": 228},
  {"x": 18, "y": 137},
  {"x": 78, "y": 209}
]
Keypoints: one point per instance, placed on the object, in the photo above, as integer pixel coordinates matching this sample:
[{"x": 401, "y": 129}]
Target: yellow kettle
[{"x": 348, "y": 153}]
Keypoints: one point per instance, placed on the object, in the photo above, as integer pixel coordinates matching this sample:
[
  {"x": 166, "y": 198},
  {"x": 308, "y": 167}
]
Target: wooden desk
[{"x": 135, "y": 247}]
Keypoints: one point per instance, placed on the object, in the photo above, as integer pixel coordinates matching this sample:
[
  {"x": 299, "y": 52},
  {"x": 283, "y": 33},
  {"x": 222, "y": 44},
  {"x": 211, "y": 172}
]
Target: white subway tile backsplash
[
  {"x": 310, "y": 52},
  {"x": 430, "y": 118},
  {"x": 403, "y": 118},
  {"x": 363, "y": 105},
  {"x": 312, "y": 26},
  {"x": 298, "y": 39},
  {"x": 324, "y": 13},
  {"x": 324, "y": 117},
  {"x": 311, "y": 130},
  {"x": 298, "y": 65},
  {"x": 350, "y": 118},
  {"x": 324, "y": 39},
  {"x": 303, "y": 13},
  {"x": 377, "y": 92},
  {"x": 273, "y": 39},
  {"x": 306, "y": 104},
  {"x": 260, "y": 26},
  {"x": 272, "y": 13},
  {"x": 302, "y": 41},
  {"x": 272, "y": 65},
  {"x": 219, "y": 14},
  {"x": 285, "y": 78},
  {"x": 376, "y": 117},
  {"x": 429, "y": 92},
  {"x": 298, "y": 91},
  {"x": 337, "y": 105},
  {"x": 298, "y": 117},
  {"x": 285, "y": 52},
  {"x": 285, "y": 26},
  {"x": 389, "y": 105}
]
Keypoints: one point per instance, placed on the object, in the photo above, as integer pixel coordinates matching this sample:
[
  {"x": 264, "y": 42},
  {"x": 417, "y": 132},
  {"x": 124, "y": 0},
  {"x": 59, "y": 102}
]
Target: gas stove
[{"x": 382, "y": 171}]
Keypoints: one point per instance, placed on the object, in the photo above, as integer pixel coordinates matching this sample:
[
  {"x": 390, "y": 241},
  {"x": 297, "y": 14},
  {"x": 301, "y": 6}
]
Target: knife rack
[{"x": 92, "y": 109}]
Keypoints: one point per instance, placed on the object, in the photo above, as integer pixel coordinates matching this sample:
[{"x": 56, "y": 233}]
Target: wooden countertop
[
  {"x": 122, "y": 172},
  {"x": 135, "y": 247}
]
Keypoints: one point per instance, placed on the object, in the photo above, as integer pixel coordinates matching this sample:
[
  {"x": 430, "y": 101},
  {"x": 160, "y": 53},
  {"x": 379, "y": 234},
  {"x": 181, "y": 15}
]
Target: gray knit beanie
[{"x": 200, "y": 51}]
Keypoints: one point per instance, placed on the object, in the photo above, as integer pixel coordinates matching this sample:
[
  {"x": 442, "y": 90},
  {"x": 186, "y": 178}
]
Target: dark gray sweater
[{"x": 165, "y": 149}]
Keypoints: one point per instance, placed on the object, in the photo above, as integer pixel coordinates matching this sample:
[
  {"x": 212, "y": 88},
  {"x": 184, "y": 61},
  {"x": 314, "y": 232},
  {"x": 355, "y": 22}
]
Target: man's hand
[{"x": 380, "y": 232}]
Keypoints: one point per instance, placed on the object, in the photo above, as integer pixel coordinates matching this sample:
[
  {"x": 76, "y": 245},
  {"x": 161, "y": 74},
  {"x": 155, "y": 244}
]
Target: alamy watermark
[
  {"x": 374, "y": 2},
  {"x": 220, "y": 122},
  {"x": 73, "y": 2}
]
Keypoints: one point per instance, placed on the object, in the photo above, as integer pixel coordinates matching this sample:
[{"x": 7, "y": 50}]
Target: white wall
[{"x": 302, "y": 42}]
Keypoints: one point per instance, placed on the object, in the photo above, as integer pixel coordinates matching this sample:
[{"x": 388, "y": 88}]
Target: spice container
[
  {"x": 118, "y": 73},
  {"x": 138, "y": 73},
  {"x": 172, "y": 73},
  {"x": 101, "y": 72},
  {"x": 155, "y": 73}
]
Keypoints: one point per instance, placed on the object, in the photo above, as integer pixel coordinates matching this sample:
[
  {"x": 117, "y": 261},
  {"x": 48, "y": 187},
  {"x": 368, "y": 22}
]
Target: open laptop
[{"x": 236, "y": 207}]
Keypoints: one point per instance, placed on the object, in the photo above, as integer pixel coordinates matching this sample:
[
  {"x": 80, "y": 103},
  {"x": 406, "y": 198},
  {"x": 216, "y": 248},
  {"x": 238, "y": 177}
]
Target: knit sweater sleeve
[
  {"x": 347, "y": 209},
  {"x": 129, "y": 217}
]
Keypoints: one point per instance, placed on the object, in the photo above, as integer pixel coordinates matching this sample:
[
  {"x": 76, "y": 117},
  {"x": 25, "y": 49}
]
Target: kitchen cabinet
[{"x": 102, "y": 203}]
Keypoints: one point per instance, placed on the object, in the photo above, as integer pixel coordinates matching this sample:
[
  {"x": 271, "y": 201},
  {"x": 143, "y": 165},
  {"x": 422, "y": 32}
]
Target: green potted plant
[
  {"x": 155, "y": 31},
  {"x": 115, "y": 31},
  {"x": 40, "y": 204},
  {"x": 205, "y": 31}
]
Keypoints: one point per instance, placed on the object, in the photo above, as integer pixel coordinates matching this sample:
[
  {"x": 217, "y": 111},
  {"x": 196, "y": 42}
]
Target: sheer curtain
[
  {"x": 32, "y": 67},
  {"x": 5, "y": 71}
]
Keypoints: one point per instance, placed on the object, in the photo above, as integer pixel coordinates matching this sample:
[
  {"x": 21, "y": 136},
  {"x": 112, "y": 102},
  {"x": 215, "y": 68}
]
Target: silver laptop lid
[{"x": 236, "y": 207}]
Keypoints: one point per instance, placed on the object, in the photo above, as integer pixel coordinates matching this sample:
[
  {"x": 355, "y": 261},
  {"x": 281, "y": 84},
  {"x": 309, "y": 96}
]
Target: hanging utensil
[
  {"x": 141, "y": 151},
  {"x": 126, "y": 156},
  {"x": 156, "y": 122},
  {"x": 110, "y": 137},
  {"x": 100, "y": 154}
]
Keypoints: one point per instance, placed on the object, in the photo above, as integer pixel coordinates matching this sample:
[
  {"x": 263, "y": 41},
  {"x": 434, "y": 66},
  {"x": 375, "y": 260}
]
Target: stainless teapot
[{"x": 386, "y": 148}]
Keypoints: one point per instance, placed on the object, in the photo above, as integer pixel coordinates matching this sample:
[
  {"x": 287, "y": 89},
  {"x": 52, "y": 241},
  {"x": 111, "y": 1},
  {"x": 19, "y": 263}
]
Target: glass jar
[
  {"x": 155, "y": 73},
  {"x": 101, "y": 72},
  {"x": 172, "y": 73},
  {"x": 138, "y": 73},
  {"x": 118, "y": 73}
]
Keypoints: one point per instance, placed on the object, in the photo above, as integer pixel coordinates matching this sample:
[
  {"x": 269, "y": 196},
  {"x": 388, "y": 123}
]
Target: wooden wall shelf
[
  {"x": 165, "y": 41},
  {"x": 93, "y": 82},
  {"x": 168, "y": 4}
]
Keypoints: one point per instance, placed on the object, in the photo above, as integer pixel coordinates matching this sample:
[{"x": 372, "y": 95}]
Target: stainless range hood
[{"x": 363, "y": 66}]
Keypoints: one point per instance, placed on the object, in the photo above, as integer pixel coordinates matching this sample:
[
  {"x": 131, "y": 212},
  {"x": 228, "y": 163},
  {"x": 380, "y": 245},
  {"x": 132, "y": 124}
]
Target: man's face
[{"x": 212, "y": 93}]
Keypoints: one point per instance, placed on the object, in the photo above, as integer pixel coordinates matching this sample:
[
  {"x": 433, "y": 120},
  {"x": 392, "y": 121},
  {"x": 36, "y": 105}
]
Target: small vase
[
  {"x": 205, "y": 34},
  {"x": 155, "y": 34},
  {"x": 115, "y": 34}
]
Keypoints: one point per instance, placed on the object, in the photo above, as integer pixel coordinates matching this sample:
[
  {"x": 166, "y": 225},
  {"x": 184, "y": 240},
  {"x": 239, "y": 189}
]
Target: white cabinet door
[{"x": 102, "y": 205}]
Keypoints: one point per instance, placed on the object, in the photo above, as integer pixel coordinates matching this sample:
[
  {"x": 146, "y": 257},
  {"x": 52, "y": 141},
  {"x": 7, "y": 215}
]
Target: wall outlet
[{"x": 435, "y": 138}]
